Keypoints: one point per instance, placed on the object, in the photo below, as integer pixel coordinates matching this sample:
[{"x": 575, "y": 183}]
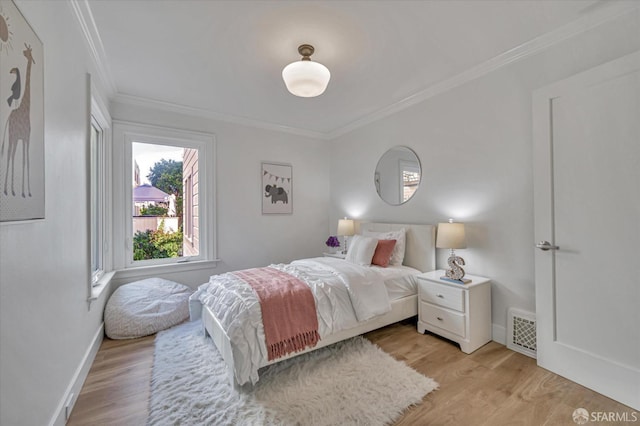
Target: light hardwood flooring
[{"x": 494, "y": 386}]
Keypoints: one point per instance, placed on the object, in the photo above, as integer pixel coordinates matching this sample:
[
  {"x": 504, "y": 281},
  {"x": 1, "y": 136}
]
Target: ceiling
[{"x": 225, "y": 58}]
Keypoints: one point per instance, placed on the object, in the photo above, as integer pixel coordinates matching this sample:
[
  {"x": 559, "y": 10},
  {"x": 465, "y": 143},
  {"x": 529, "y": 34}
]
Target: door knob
[{"x": 546, "y": 246}]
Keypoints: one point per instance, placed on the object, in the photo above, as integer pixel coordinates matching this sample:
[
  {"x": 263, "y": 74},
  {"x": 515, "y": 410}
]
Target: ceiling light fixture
[{"x": 305, "y": 78}]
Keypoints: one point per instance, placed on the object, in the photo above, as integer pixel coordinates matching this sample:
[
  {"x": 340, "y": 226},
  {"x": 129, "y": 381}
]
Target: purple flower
[{"x": 333, "y": 242}]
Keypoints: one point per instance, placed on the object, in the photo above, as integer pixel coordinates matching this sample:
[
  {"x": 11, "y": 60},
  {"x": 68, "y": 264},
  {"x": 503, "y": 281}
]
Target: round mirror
[{"x": 397, "y": 175}]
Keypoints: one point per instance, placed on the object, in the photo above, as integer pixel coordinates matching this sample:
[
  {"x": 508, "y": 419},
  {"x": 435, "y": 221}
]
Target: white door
[{"x": 587, "y": 202}]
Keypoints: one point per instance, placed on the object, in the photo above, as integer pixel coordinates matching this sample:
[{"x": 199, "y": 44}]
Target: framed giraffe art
[{"x": 21, "y": 118}]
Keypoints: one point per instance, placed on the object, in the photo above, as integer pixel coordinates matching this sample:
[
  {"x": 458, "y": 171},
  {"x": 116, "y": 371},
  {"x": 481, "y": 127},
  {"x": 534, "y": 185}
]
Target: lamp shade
[
  {"x": 346, "y": 227},
  {"x": 306, "y": 78},
  {"x": 451, "y": 236}
]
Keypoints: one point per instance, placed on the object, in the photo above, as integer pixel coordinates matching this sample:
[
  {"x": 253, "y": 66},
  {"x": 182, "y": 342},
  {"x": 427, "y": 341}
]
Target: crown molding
[
  {"x": 212, "y": 115},
  {"x": 606, "y": 12},
  {"x": 84, "y": 16}
]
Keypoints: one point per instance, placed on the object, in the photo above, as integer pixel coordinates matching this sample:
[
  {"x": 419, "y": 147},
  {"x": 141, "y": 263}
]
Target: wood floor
[{"x": 493, "y": 386}]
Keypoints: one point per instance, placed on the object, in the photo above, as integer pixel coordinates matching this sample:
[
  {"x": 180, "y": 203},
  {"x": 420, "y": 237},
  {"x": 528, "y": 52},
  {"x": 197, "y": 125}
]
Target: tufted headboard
[{"x": 420, "y": 251}]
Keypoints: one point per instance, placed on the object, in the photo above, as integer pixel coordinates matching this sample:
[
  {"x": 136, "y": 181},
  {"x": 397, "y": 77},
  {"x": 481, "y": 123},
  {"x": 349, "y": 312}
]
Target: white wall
[
  {"x": 245, "y": 237},
  {"x": 45, "y": 324},
  {"x": 46, "y": 327},
  {"x": 475, "y": 146}
]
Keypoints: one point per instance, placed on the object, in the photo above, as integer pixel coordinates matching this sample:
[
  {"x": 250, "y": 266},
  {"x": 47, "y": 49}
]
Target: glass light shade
[
  {"x": 345, "y": 227},
  {"x": 306, "y": 78},
  {"x": 451, "y": 236}
]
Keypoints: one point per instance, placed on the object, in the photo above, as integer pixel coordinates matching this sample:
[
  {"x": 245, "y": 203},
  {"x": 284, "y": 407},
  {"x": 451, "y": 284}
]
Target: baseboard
[
  {"x": 499, "y": 334},
  {"x": 73, "y": 390}
]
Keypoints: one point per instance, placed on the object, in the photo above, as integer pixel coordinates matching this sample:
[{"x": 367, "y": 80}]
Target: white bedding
[
  {"x": 345, "y": 294},
  {"x": 401, "y": 283}
]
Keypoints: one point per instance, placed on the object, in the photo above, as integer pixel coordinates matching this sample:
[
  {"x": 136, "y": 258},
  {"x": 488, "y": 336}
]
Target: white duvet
[{"x": 345, "y": 294}]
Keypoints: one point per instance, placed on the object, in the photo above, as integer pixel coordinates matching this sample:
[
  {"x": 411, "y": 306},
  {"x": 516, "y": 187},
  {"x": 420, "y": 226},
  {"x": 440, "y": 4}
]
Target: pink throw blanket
[{"x": 288, "y": 310}]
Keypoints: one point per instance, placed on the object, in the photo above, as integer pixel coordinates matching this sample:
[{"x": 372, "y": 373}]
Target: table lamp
[
  {"x": 451, "y": 236},
  {"x": 346, "y": 229}
]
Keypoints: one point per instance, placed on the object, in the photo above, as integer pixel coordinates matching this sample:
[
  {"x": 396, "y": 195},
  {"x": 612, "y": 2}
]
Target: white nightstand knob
[{"x": 440, "y": 319}]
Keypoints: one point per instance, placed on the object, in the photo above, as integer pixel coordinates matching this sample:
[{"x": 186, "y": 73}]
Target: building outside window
[{"x": 190, "y": 203}]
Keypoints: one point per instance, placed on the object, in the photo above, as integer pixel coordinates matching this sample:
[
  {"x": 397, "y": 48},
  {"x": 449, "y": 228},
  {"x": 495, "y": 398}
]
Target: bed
[{"x": 236, "y": 333}]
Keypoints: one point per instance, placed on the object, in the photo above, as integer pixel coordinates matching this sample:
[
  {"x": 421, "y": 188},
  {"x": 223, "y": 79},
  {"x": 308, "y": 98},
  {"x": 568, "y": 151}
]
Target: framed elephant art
[{"x": 277, "y": 188}]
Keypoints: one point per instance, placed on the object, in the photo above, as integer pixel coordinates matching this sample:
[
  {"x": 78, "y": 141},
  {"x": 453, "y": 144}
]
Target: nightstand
[
  {"x": 458, "y": 312},
  {"x": 336, "y": 255}
]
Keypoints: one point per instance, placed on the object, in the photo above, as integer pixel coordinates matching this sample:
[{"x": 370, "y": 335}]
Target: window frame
[
  {"x": 96, "y": 201},
  {"x": 99, "y": 244},
  {"x": 125, "y": 134}
]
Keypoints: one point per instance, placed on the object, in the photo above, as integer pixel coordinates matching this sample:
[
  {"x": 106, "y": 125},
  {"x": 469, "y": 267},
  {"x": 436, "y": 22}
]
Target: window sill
[
  {"x": 103, "y": 283},
  {"x": 141, "y": 271}
]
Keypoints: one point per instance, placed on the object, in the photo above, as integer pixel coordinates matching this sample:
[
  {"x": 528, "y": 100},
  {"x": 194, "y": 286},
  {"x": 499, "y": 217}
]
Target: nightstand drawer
[
  {"x": 445, "y": 319},
  {"x": 442, "y": 295}
]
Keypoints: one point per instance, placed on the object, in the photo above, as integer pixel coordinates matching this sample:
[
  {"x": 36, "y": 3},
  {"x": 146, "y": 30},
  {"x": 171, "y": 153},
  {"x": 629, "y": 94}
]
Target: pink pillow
[{"x": 383, "y": 252}]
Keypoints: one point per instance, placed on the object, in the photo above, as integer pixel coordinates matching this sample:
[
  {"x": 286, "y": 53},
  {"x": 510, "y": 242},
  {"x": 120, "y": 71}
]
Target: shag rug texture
[{"x": 350, "y": 382}]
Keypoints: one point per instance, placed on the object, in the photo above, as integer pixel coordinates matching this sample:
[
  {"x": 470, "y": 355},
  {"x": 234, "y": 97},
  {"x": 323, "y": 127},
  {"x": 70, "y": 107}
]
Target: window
[
  {"x": 410, "y": 179},
  {"x": 96, "y": 141},
  {"x": 164, "y": 172},
  {"x": 99, "y": 190}
]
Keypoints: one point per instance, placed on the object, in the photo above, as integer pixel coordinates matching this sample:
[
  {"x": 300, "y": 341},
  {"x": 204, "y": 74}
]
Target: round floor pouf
[{"x": 145, "y": 307}]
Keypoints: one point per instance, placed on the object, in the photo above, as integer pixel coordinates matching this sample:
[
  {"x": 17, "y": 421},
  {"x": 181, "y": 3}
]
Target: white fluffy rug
[{"x": 351, "y": 382}]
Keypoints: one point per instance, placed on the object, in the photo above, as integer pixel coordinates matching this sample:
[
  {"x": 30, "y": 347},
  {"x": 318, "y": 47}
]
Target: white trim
[
  {"x": 73, "y": 390},
  {"x": 606, "y": 12},
  {"x": 212, "y": 115},
  {"x": 167, "y": 268},
  {"x": 101, "y": 285},
  {"x": 99, "y": 113},
  {"x": 499, "y": 334},
  {"x": 99, "y": 108},
  {"x": 84, "y": 16}
]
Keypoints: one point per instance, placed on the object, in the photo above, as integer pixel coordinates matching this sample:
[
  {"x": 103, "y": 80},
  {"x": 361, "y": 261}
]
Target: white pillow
[
  {"x": 397, "y": 257},
  {"x": 361, "y": 250}
]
